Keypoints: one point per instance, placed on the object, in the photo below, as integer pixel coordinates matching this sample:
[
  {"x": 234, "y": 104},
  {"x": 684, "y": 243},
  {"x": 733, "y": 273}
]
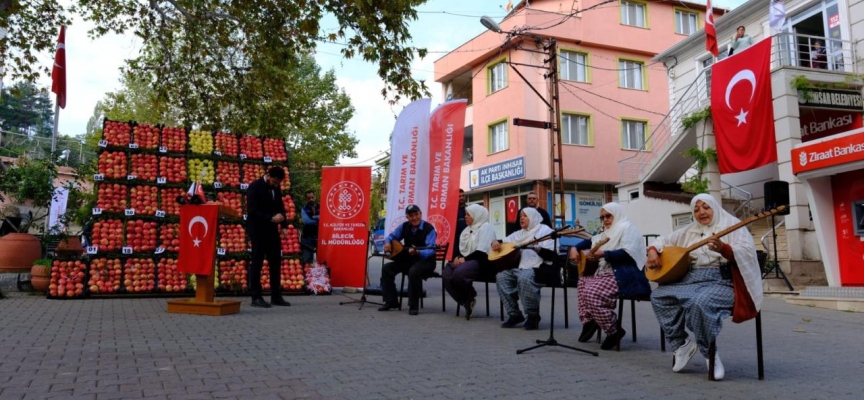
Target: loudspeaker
[{"x": 777, "y": 194}]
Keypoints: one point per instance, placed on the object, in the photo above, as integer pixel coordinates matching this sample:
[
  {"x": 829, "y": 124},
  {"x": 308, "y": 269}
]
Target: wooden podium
[{"x": 204, "y": 303}]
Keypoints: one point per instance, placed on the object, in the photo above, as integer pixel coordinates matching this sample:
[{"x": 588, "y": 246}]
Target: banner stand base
[{"x": 193, "y": 306}]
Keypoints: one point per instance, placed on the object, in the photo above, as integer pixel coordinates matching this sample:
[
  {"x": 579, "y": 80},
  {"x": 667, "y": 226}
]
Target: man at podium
[{"x": 265, "y": 215}]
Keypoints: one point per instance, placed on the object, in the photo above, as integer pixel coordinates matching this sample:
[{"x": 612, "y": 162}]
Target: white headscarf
[
  {"x": 534, "y": 223},
  {"x": 478, "y": 236},
  {"x": 622, "y": 235},
  {"x": 530, "y": 258},
  {"x": 740, "y": 240}
]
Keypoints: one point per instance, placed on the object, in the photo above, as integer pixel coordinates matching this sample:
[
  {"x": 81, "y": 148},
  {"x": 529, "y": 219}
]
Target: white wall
[{"x": 650, "y": 216}]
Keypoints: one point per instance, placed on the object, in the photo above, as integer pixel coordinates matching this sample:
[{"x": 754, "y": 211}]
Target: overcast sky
[{"x": 93, "y": 68}]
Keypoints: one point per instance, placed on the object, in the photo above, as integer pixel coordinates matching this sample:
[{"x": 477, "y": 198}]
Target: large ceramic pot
[
  {"x": 18, "y": 251},
  {"x": 40, "y": 275}
]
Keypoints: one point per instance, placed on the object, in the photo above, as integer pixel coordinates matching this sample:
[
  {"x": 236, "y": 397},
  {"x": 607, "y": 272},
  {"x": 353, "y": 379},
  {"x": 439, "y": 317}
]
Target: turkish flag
[
  {"x": 58, "y": 73},
  {"x": 197, "y": 238},
  {"x": 710, "y": 33},
  {"x": 742, "y": 109},
  {"x": 512, "y": 204}
]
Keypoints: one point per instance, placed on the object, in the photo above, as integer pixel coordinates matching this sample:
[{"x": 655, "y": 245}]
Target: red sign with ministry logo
[
  {"x": 828, "y": 152},
  {"x": 343, "y": 231}
]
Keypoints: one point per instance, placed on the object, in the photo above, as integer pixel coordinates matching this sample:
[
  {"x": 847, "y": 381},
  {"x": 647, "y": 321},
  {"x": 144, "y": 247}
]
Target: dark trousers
[
  {"x": 307, "y": 250},
  {"x": 269, "y": 247},
  {"x": 417, "y": 270},
  {"x": 459, "y": 280}
]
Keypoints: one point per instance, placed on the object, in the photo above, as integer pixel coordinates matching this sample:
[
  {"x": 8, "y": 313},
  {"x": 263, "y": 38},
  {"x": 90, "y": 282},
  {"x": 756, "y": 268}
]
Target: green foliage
[
  {"x": 33, "y": 181},
  {"x": 46, "y": 262},
  {"x": 802, "y": 84},
  {"x": 696, "y": 117},
  {"x": 26, "y": 109},
  {"x": 696, "y": 184}
]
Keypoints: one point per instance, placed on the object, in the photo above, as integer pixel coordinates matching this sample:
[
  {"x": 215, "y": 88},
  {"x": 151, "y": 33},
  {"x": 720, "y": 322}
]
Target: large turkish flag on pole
[
  {"x": 197, "y": 238},
  {"x": 710, "y": 32},
  {"x": 58, "y": 73},
  {"x": 742, "y": 109}
]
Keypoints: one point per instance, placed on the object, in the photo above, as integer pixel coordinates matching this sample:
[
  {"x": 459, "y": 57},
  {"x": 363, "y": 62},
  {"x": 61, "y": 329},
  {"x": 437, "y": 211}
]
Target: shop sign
[
  {"x": 834, "y": 99},
  {"x": 831, "y": 152},
  {"x": 817, "y": 124},
  {"x": 497, "y": 173}
]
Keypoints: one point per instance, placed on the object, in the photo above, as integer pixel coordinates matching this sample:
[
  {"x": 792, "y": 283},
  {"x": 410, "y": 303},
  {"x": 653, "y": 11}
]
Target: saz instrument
[
  {"x": 675, "y": 260},
  {"x": 398, "y": 250},
  {"x": 508, "y": 255},
  {"x": 589, "y": 267}
]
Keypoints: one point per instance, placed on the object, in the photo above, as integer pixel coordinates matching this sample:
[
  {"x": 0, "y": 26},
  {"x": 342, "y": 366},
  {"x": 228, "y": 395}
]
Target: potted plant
[{"x": 40, "y": 274}]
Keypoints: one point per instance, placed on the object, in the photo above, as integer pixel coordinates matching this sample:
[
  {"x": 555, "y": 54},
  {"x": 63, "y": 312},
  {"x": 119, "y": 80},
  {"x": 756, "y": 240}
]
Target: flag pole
[{"x": 54, "y": 132}]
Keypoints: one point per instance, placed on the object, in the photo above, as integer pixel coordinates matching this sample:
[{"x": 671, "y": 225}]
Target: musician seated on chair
[
  {"x": 705, "y": 296},
  {"x": 417, "y": 259},
  {"x": 474, "y": 245},
  {"x": 519, "y": 278},
  {"x": 613, "y": 269}
]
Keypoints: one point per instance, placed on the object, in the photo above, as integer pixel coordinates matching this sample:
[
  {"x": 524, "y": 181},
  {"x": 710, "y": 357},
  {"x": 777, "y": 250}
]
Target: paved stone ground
[{"x": 131, "y": 348}]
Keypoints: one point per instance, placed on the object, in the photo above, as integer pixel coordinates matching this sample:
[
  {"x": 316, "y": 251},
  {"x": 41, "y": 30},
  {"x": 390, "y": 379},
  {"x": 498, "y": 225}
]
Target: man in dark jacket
[
  {"x": 309, "y": 239},
  {"x": 417, "y": 259},
  {"x": 534, "y": 202},
  {"x": 265, "y": 215}
]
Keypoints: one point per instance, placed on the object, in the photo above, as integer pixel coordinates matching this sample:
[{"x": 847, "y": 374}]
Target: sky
[{"x": 93, "y": 68}]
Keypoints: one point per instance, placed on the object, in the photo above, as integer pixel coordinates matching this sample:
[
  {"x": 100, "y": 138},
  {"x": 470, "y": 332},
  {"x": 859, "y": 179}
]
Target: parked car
[{"x": 378, "y": 237}]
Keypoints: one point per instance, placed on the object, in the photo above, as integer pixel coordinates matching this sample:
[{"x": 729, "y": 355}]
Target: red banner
[
  {"x": 742, "y": 109},
  {"x": 343, "y": 232},
  {"x": 446, "y": 134},
  {"x": 817, "y": 123},
  {"x": 197, "y": 238}
]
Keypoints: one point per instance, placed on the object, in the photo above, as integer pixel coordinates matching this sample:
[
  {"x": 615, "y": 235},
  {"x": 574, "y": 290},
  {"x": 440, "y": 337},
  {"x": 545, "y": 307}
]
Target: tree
[
  {"x": 26, "y": 109},
  {"x": 216, "y": 46}
]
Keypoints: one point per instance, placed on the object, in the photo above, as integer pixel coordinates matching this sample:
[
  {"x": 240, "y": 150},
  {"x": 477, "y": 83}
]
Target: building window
[
  {"x": 706, "y": 65},
  {"x": 685, "y": 22},
  {"x": 497, "y": 75},
  {"x": 574, "y": 129},
  {"x": 633, "y": 13},
  {"x": 499, "y": 140},
  {"x": 574, "y": 66},
  {"x": 632, "y": 134},
  {"x": 630, "y": 74}
]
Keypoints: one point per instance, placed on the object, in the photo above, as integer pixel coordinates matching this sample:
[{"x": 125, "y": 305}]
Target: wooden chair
[{"x": 440, "y": 256}]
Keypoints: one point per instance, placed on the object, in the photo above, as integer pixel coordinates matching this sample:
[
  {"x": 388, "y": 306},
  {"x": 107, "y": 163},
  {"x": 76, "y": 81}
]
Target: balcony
[{"x": 805, "y": 51}]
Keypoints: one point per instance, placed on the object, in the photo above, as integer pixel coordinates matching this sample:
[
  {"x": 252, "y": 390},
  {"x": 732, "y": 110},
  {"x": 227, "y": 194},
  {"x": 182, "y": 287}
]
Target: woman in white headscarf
[
  {"x": 705, "y": 296},
  {"x": 520, "y": 279},
  {"x": 475, "y": 242},
  {"x": 619, "y": 274}
]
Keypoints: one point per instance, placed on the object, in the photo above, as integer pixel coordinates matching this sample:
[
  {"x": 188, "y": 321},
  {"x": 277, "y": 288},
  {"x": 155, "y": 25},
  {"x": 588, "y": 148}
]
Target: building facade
[{"x": 612, "y": 95}]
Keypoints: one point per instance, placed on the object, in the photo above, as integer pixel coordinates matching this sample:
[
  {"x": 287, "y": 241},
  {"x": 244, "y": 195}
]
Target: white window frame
[
  {"x": 686, "y": 22},
  {"x": 576, "y": 129},
  {"x": 626, "y": 6},
  {"x": 576, "y": 61},
  {"x": 499, "y": 137},
  {"x": 629, "y": 76},
  {"x": 497, "y": 77},
  {"x": 627, "y": 134}
]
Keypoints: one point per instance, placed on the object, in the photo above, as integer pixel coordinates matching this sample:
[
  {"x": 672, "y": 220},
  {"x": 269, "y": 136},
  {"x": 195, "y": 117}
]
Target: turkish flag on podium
[
  {"x": 742, "y": 109},
  {"x": 197, "y": 238}
]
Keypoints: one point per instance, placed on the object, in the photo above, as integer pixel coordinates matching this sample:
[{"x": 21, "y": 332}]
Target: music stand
[
  {"x": 362, "y": 301},
  {"x": 551, "y": 340},
  {"x": 778, "y": 272}
]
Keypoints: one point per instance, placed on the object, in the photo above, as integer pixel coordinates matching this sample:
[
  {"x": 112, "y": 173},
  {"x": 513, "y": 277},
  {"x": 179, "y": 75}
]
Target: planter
[
  {"x": 70, "y": 246},
  {"x": 40, "y": 275},
  {"x": 18, "y": 251}
]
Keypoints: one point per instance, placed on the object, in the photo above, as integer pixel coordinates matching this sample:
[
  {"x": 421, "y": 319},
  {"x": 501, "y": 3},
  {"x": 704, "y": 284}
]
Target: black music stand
[
  {"x": 362, "y": 301},
  {"x": 551, "y": 340},
  {"x": 778, "y": 272}
]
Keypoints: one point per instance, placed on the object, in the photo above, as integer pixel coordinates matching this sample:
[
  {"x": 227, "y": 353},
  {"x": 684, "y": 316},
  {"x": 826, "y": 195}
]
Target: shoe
[
  {"x": 533, "y": 323},
  {"x": 388, "y": 307},
  {"x": 612, "y": 340},
  {"x": 683, "y": 355},
  {"x": 588, "y": 331},
  {"x": 413, "y": 312},
  {"x": 279, "y": 301},
  {"x": 259, "y": 302},
  {"x": 469, "y": 309},
  {"x": 513, "y": 321},
  {"x": 719, "y": 371}
]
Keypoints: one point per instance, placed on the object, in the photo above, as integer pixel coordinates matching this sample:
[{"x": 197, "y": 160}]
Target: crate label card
[
  {"x": 103, "y": 143},
  {"x": 129, "y": 212},
  {"x": 130, "y": 177},
  {"x": 220, "y": 251},
  {"x": 267, "y": 159},
  {"x": 97, "y": 211},
  {"x": 92, "y": 249},
  {"x": 217, "y": 185},
  {"x": 217, "y": 153},
  {"x": 244, "y": 186},
  {"x": 163, "y": 149},
  {"x": 244, "y": 217},
  {"x": 127, "y": 250},
  {"x": 161, "y": 180},
  {"x": 98, "y": 177},
  {"x": 159, "y": 250},
  {"x": 242, "y": 156},
  {"x": 133, "y": 145},
  {"x": 160, "y": 214}
]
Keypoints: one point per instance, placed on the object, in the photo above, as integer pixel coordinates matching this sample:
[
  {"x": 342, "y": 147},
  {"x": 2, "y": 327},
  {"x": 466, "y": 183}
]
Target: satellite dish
[{"x": 490, "y": 24}]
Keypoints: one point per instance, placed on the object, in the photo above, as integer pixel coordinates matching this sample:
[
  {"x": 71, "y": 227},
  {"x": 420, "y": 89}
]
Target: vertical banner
[
  {"x": 58, "y": 208},
  {"x": 343, "y": 230},
  {"x": 446, "y": 134},
  {"x": 197, "y": 238},
  {"x": 409, "y": 164}
]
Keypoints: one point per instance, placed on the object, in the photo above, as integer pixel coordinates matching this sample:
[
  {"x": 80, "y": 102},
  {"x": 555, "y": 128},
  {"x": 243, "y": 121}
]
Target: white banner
[
  {"x": 58, "y": 208},
  {"x": 409, "y": 163}
]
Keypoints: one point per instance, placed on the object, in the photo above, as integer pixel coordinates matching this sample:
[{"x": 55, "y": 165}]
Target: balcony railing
[{"x": 793, "y": 50}]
